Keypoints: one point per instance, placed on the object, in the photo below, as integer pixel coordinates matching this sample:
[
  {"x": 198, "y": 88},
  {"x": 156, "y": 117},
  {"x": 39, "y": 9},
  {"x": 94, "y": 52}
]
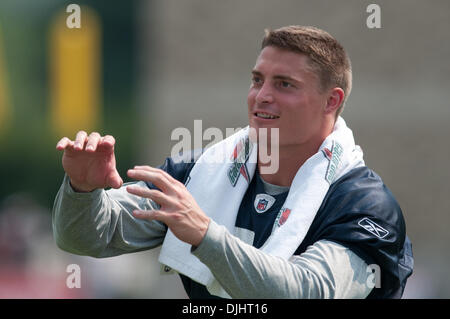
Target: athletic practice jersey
[{"x": 358, "y": 212}]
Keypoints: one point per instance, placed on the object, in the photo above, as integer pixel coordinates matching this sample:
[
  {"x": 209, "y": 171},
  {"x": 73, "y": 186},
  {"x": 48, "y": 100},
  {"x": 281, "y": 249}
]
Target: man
[{"x": 301, "y": 80}]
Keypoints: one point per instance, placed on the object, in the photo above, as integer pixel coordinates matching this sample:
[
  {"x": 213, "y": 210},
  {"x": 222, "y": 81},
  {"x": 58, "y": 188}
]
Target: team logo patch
[
  {"x": 282, "y": 216},
  {"x": 263, "y": 202},
  {"x": 373, "y": 227},
  {"x": 327, "y": 153},
  {"x": 334, "y": 157},
  {"x": 239, "y": 161}
]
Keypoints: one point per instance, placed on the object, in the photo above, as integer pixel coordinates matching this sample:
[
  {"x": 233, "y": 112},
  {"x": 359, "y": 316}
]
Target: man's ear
[{"x": 334, "y": 100}]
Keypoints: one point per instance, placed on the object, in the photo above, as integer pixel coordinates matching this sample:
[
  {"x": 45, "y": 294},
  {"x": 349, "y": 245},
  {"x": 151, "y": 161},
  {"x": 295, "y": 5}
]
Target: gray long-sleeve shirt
[{"x": 100, "y": 224}]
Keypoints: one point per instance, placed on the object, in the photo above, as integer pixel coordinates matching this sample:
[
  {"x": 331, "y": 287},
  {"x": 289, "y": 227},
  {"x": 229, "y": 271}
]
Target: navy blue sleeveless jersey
[{"x": 358, "y": 212}]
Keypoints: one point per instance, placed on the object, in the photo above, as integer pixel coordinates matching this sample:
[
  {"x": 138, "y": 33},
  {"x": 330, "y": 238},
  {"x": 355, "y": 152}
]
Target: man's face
[{"x": 285, "y": 93}]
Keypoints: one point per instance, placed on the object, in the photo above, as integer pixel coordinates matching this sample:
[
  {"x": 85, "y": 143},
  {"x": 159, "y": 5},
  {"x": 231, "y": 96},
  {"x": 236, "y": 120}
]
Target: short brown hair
[{"x": 326, "y": 55}]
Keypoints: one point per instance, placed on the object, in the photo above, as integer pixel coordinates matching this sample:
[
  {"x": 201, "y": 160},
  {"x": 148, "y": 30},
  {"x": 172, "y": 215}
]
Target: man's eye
[
  {"x": 285, "y": 84},
  {"x": 256, "y": 80}
]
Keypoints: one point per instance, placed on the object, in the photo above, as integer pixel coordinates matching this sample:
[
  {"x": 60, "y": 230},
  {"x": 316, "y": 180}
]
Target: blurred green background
[
  {"x": 30, "y": 167},
  {"x": 29, "y": 162},
  {"x": 165, "y": 63}
]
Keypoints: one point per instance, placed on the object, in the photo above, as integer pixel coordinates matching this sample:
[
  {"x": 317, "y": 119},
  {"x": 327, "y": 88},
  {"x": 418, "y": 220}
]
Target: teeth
[{"x": 266, "y": 116}]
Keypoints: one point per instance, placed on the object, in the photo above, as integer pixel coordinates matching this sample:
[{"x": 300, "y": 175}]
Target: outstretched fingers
[
  {"x": 152, "y": 215},
  {"x": 83, "y": 141},
  {"x": 92, "y": 141},
  {"x": 80, "y": 140},
  {"x": 155, "y": 177},
  {"x": 64, "y": 143},
  {"x": 164, "y": 174},
  {"x": 153, "y": 194},
  {"x": 107, "y": 141}
]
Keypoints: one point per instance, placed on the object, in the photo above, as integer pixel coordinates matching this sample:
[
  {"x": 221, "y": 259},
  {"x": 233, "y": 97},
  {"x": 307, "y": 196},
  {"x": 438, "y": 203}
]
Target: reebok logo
[{"x": 373, "y": 227}]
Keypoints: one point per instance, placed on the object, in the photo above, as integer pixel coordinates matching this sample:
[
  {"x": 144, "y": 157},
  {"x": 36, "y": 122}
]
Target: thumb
[{"x": 114, "y": 180}]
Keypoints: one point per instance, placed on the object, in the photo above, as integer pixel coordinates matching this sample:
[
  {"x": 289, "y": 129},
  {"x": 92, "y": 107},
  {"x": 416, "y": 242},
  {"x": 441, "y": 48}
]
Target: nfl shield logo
[{"x": 262, "y": 204}]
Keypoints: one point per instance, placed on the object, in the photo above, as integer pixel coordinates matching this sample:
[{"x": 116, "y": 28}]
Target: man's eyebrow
[
  {"x": 278, "y": 77},
  {"x": 254, "y": 72}
]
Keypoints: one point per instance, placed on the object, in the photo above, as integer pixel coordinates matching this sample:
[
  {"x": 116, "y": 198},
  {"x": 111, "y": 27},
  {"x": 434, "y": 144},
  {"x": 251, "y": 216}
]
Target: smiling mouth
[{"x": 266, "y": 116}]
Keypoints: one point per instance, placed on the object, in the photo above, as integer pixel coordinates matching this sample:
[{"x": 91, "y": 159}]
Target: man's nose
[{"x": 265, "y": 94}]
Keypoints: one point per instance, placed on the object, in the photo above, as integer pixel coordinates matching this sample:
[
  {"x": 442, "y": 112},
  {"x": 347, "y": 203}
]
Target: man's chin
[{"x": 264, "y": 135}]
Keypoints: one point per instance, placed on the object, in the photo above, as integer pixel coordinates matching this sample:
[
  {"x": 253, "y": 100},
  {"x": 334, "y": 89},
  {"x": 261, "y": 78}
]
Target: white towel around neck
[{"x": 210, "y": 184}]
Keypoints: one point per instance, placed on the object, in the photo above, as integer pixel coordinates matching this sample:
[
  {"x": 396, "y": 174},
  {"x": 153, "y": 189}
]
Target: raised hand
[
  {"x": 89, "y": 161},
  {"x": 178, "y": 209}
]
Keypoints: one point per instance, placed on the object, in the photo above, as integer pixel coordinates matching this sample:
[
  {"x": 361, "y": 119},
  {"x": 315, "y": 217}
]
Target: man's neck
[
  {"x": 290, "y": 161},
  {"x": 291, "y": 158}
]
